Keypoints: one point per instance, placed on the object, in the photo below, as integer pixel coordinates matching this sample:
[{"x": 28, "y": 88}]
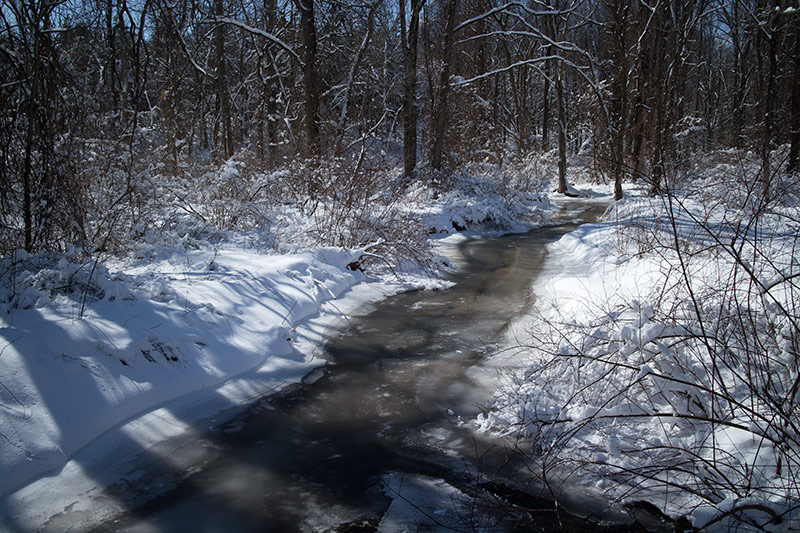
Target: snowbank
[
  {"x": 486, "y": 199},
  {"x": 170, "y": 329},
  {"x": 648, "y": 374},
  {"x": 102, "y": 360}
]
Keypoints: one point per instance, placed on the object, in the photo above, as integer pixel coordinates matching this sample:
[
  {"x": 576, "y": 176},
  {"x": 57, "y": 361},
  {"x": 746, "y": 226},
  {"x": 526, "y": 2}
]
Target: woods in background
[{"x": 105, "y": 105}]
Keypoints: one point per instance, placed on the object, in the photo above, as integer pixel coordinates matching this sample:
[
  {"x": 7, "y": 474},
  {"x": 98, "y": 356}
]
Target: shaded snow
[
  {"x": 101, "y": 361},
  {"x": 69, "y": 380}
]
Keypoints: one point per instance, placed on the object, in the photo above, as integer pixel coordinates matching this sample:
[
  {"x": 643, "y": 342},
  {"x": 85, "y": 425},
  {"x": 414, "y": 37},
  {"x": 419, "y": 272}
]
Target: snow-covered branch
[{"x": 257, "y": 31}]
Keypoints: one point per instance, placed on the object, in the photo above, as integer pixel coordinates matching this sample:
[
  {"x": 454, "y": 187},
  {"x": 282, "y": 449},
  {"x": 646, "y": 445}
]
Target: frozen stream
[{"x": 377, "y": 439}]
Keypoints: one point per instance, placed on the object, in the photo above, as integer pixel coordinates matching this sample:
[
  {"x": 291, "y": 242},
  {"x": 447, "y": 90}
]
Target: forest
[
  {"x": 112, "y": 112},
  {"x": 193, "y": 191}
]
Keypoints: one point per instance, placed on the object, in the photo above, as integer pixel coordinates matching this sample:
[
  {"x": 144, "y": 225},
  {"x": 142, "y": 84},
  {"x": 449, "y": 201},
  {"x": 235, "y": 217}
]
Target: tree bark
[
  {"x": 440, "y": 121},
  {"x": 351, "y": 77},
  {"x": 410, "y": 38},
  {"x": 40, "y": 23},
  {"x": 741, "y": 78},
  {"x": 223, "y": 103},
  {"x": 311, "y": 86},
  {"x": 562, "y": 130},
  {"x": 769, "y": 102},
  {"x": 556, "y": 33},
  {"x": 111, "y": 64},
  {"x": 546, "y": 106},
  {"x": 640, "y": 112},
  {"x": 794, "y": 123},
  {"x": 268, "y": 110},
  {"x": 660, "y": 101},
  {"x": 27, "y": 214},
  {"x": 619, "y": 89}
]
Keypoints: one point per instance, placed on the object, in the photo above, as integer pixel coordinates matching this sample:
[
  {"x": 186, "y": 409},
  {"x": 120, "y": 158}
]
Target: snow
[
  {"x": 102, "y": 360},
  {"x": 230, "y": 329},
  {"x": 613, "y": 354},
  {"x": 160, "y": 344},
  {"x": 487, "y": 202},
  {"x": 108, "y": 458}
]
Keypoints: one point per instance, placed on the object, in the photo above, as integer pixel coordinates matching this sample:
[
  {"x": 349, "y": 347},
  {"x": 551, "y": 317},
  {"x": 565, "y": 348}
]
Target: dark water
[{"x": 379, "y": 438}]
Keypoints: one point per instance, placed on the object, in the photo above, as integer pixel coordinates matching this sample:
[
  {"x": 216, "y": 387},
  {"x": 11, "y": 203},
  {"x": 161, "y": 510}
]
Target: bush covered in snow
[
  {"x": 479, "y": 196},
  {"x": 669, "y": 372}
]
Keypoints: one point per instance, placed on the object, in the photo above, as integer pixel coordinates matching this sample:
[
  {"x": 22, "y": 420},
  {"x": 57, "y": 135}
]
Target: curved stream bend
[{"x": 378, "y": 439}]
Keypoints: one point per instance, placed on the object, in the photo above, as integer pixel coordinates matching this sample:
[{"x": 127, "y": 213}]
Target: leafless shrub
[
  {"x": 687, "y": 399},
  {"x": 237, "y": 197},
  {"x": 354, "y": 207}
]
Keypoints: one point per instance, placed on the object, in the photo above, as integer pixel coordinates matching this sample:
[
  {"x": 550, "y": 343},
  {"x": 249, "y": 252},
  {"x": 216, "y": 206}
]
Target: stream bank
[{"x": 379, "y": 439}]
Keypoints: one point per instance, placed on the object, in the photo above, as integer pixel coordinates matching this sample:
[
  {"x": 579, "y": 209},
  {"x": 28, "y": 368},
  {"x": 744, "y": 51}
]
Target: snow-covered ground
[
  {"x": 100, "y": 361},
  {"x": 650, "y": 371},
  {"x": 217, "y": 326},
  {"x": 639, "y": 380}
]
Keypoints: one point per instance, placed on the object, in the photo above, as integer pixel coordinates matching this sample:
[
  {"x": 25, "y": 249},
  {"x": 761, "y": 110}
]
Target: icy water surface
[{"x": 377, "y": 440}]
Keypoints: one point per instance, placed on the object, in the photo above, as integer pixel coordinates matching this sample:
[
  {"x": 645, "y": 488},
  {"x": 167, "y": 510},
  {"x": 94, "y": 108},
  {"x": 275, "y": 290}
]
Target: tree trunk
[
  {"x": 261, "y": 119},
  {"x": 660, "y": 101},
  {"x": 270, "y": 95},
  {"x": 111, "y": 64},
  {"x": 741, "y": 79},
  {"x": 639, "y": 120},
  {"x": 546, "y": 107},
  {"x": 312, "y": 89},
  {"x": 619, "y": 89},
  {"x": 440, "y": 122},
  {"x": 223, "y": 103},
  {"x": 351, "y": 78},
  {"x": 562, "y": 130},
  {"x": 27, "y": 215},
  {"x": 410, "y": 40},
  {"x": 39, "y": 22},
  {"x": 769, "y": 103},
  {"x": 794, "y": 123}
]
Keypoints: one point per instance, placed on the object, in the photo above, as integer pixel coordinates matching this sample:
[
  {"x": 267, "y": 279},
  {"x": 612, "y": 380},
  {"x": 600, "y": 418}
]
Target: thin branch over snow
[
  {"x": 507, "y": 7},
  {"x": 679, "y": 390},
  {"x": 256, "y": 31},
  {"x": 501, "y": 70}
]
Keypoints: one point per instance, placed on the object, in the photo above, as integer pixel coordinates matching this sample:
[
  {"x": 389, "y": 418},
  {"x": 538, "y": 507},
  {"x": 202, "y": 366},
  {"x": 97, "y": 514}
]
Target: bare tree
[
  {"x": 221, "y": 78},
  {"x": 410, "y": 39},
  {"x": 441, "y": 111},
  {"x": 35, "y": 162},
  {"x": 222, "y": 130},
  {"x": 351, "y": 75},
  {"x": 267, "y": 126},
  {"x": 685, "y": 397},
  {"x": 558, "y": 25},
  {"x": 308, "y": 35},
  {"x": 617, "y": 31},
  {"x": 794, "y": 150}
]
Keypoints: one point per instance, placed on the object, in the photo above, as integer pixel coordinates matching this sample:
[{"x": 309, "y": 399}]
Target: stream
[{"x": 378, "y": 436}]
